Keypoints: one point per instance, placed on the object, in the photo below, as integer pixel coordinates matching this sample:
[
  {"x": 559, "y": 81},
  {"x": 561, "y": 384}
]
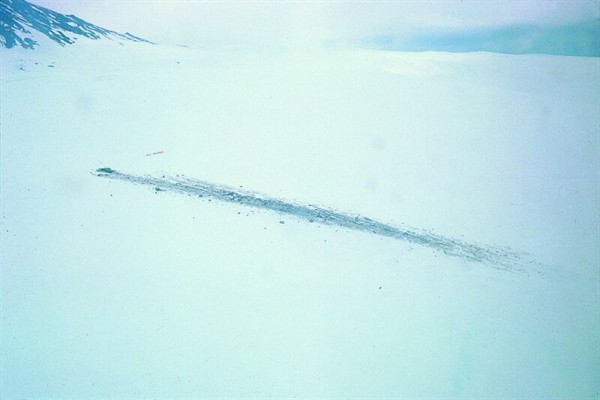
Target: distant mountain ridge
[{"x": 20, "y": 19}]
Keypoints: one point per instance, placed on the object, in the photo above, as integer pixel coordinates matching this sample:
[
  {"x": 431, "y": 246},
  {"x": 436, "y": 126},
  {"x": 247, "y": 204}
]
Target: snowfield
[{"x": 113, "y": 289}]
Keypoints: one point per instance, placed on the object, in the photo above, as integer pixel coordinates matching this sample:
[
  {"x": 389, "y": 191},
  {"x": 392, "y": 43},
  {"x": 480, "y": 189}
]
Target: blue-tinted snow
[{"x": 110, "y": 290}]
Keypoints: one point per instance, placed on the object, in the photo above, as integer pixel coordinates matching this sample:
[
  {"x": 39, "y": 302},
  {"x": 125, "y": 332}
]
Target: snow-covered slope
[
  {"x": 22, "y": 24},
  {"x": 111, "y": 289}
]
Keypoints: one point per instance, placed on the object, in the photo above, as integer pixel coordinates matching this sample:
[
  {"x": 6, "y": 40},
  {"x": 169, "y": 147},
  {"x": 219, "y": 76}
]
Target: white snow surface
[{"x": 112, "y": 290}]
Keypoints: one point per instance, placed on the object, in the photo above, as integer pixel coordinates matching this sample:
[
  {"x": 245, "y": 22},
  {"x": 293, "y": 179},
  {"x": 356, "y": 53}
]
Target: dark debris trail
[{"x": 498, "y": 257}]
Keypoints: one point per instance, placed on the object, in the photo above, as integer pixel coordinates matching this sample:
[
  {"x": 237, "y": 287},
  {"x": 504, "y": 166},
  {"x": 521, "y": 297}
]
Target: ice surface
[{"x": 112, "y": 290}]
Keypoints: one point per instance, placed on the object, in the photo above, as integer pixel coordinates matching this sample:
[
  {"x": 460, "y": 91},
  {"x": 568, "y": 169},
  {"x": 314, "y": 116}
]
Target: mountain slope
[{"x": 21, "y": 20}]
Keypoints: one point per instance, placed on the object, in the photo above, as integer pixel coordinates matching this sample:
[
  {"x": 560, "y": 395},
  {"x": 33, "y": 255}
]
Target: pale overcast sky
[{"x": 306, "y": 23}]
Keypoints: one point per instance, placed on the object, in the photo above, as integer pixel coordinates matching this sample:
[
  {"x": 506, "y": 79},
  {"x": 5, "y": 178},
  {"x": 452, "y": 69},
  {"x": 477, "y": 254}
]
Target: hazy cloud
[{"x": 315, "y": 23}]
